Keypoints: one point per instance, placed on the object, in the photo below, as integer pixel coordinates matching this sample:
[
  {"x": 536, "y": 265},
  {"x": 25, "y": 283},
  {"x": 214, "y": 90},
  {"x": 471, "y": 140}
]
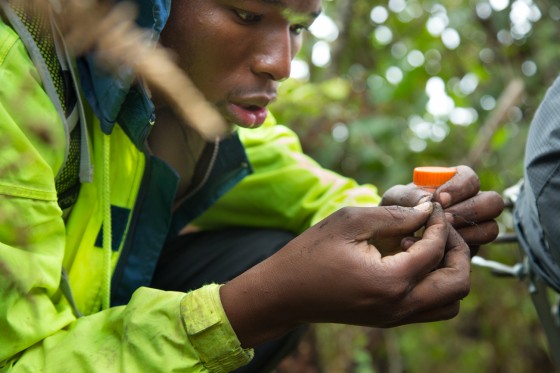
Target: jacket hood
[{"x": 109, "y": 93}]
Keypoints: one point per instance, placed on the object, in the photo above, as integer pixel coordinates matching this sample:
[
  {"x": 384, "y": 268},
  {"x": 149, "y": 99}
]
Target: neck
[{"x": 177, "y": 144}]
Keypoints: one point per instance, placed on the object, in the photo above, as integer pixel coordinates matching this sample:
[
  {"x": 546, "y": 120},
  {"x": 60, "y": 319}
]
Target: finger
[
  {"x": 447, "y": 285},
  {"x": 480, "y": 234},
  {"x": 440, "y": 313},
  {"x": 463, "y": 185},
  {"x": 485, "y": 206},
  {"x": 407, "y": 242},
  {"x": 375, "y": 223},
  {"x": 458, "y": 254},
  {"x": 425, "y": 254},
  {"x": 405, "y": 195}
]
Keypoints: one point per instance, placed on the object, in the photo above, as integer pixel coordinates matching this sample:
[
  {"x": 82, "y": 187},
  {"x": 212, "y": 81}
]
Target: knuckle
[
  {"x": 393, "y": 194},
  {"x": 348, "y": 213},
  {"x": 496, "y": 200},
  {"x": 452, "y": 311},
  {"x": 397, "y": 213},
  {"x": 464, "y": 290},
  {"x": 462, "y": 287},
  {"x": 400, "y": 291},
  {"x": 392, "y": 294},
  {"x": 474, "y": 182},
  {"x": 471, "y": 176},
  {"x": 493, "y": 230}
]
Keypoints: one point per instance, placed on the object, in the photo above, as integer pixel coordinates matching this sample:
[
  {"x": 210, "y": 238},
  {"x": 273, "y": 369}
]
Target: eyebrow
[{"x": 281, "y": 3}]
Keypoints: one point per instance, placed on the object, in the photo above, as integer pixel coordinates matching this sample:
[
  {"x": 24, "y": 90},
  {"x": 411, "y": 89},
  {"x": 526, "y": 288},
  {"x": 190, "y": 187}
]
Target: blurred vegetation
[{"x": 383, "y": 86}]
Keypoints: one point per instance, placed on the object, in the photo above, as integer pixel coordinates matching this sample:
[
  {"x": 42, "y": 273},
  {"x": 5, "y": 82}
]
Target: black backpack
[{"x": 536, "y": 213}]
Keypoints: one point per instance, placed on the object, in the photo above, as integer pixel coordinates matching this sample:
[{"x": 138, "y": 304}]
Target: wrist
[{"x": 256, "y": 309}]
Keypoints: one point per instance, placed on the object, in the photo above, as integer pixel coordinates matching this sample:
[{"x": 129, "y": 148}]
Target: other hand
[{"x": 470, "y": 211}]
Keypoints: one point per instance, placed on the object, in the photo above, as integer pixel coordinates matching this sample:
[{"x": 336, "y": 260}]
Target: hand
[
  {"x": 333, "y": 273},
  {"x": 470, "y": 211}
]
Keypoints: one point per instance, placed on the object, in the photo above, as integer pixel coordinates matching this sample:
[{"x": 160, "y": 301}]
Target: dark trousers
[{"x": 191, "y": 261}]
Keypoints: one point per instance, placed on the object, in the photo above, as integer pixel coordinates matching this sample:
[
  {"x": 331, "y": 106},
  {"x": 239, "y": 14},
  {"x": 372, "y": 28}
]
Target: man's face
[{"x": 236, "y": 51}]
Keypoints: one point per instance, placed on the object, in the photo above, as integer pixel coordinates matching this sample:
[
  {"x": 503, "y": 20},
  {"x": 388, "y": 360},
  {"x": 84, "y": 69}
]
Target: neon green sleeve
[
  {"x": 287, "y": 189},
  {"x": 156, "y": 331}
]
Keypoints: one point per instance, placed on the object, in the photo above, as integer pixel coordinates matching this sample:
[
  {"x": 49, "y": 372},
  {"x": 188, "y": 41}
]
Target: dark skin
[
  {"x": 332, "y": 273},
  {"x": 470, "y": 211},
  {"x": 237, "y": 52}
]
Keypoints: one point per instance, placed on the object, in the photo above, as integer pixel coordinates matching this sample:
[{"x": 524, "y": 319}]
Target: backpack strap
[{"x": 44, "y": 44}]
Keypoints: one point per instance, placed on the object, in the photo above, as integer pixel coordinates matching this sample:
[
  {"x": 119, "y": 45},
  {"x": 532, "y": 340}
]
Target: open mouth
[
  {"x": 252, "y": 108},
  {"x": 248, "y": 115}
]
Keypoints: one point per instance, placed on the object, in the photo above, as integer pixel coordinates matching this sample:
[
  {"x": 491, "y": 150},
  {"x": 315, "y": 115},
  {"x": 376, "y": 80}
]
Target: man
[{"x": 77, "y": 257}]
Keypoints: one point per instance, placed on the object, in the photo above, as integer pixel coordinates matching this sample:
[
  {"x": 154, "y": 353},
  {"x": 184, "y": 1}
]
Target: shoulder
[{"x": 28, "y": 117}]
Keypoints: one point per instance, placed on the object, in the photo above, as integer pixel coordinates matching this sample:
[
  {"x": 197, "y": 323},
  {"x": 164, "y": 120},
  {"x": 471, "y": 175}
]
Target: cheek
[
  {"x": 212, "y": 74},
  {"x": 215, "y": 65}
]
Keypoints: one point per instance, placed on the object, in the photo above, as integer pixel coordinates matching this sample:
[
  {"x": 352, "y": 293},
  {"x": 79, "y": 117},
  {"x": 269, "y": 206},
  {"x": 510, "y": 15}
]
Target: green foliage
[{"x": 357, "y": 118}]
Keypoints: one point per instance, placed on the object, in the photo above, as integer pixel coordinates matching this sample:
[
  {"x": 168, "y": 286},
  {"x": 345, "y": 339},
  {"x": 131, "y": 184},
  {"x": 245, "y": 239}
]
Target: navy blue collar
[{"x": 110, "y": 94}]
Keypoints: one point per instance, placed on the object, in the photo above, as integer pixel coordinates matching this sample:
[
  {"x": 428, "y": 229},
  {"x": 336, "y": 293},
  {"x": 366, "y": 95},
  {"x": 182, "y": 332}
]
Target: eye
[
  {"x": 247, "y": 17},
  {"x": 298, "y": 29}
]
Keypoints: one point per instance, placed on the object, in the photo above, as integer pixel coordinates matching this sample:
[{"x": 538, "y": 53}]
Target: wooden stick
[
  {"x": 509, "y": 97},
  {"x": 89, "y": 25}
]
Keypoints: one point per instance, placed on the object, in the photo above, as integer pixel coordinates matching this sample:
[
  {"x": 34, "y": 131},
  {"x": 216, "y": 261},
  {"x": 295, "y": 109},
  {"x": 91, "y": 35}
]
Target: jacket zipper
[{"x": 129, "y": 238}]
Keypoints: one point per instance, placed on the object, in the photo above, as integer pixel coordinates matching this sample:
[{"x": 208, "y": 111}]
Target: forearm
[{"x": 255, "y": 306}]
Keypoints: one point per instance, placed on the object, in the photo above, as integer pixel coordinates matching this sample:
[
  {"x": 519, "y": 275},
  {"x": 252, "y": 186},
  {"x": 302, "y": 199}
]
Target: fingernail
[
  {"x": 407, "y": 242},
  {"x": 445, "y": 199},
  {"x": 427, "y": 198},
  {"x": 426, "y": 206}
]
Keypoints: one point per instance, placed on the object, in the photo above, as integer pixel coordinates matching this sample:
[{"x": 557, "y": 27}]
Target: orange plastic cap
[{"x": 432, "y": 177}]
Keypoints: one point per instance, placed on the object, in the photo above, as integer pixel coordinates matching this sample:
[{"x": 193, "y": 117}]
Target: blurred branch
[
  {"x": 394, "y": 356},
  {"x": 111, "y": 32},
  {"x": 509, "y": 97},
  {"x": 345, "y": 11},
  {"x": 491, "y": 32}
]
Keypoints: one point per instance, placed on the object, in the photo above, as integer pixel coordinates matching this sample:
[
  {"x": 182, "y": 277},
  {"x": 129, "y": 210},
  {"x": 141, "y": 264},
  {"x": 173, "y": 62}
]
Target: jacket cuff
[{"x": 210, "y": 332}]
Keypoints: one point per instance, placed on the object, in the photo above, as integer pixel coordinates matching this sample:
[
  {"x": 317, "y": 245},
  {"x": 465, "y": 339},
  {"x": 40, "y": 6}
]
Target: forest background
[{"x": 383, "y": 86}]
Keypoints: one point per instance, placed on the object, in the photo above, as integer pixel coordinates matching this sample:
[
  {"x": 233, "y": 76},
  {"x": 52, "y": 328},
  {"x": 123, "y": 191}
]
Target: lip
[{"x": 249, "y": 112}]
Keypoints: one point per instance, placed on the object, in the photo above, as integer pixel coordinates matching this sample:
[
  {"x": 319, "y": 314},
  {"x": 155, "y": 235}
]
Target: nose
[{"x": 274, "y": 59}]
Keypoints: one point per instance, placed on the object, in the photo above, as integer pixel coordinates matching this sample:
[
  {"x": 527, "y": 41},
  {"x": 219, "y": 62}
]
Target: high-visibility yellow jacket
[{"x": 45, "y": 326}]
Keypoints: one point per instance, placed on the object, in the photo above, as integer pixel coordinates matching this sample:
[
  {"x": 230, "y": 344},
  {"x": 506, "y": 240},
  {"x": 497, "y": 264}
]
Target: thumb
[
  {"x": 430, "y": 249},
  {"x": 396, "y": 221}
]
